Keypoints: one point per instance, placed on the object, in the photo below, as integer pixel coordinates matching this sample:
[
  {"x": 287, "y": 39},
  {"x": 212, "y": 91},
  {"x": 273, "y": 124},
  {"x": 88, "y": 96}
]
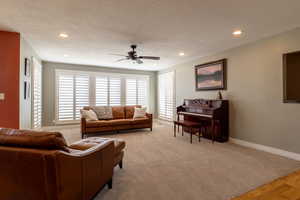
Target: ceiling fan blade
[
  {"x": 139, "y": 61},
  {"x": 149, "y": 57},
  {"x": 114, "y": 54}
]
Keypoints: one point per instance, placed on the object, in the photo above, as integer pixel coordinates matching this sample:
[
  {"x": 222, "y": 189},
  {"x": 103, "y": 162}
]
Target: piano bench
[{"x": 190, "y": 125}]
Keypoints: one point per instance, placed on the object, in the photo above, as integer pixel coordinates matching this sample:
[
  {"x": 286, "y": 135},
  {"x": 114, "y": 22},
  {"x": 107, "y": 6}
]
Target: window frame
[
  {"x": 36, "y": 67},
  {"x": 92, "y": 88},
  {"x": 173, "y": 74}
]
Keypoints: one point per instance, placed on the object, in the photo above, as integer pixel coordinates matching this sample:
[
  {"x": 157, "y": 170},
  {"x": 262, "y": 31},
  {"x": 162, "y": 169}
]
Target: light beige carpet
[{"x": 158, "y": 166}]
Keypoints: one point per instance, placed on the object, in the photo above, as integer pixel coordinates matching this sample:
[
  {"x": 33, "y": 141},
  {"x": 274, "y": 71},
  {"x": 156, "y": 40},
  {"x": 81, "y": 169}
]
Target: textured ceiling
[{"x": 159, "y": 27}]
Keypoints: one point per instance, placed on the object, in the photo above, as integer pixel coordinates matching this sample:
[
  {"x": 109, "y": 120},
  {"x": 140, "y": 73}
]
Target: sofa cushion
[
  {"x": 103, "y": 112},
  {"x": 141, "y": 120},
  {"x": 33, "y": 139},
  {"x": 104, "y": 123},
  {"x": 118, "y": 112},
  {"x": 129, "y": 111}
]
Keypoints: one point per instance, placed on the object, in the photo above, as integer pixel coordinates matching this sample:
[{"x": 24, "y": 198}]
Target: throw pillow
[
  {"x": 103, "y": 112},
  {"x": 92, "y": 115},
  {"x": 84, "y": 113},
  {"x": 89, "y": 115},
  {"x": 139, "y": 112}
]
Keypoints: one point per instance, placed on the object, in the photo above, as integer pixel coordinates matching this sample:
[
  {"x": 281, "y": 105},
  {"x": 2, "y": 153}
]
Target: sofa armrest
[{"x": 149, "y": 115}]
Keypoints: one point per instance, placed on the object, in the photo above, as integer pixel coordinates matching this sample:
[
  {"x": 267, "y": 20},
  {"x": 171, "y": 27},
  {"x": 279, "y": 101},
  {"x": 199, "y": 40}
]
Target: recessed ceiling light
[
  {"x": 237, "y": 32},
  {"x": 63, "y": 35},
  {"x": 66, "y": 55},
  {"x": 181, "y": 54}
]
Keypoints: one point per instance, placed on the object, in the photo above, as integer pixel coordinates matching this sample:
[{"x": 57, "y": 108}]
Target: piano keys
[{"x": 213, "y": 114}]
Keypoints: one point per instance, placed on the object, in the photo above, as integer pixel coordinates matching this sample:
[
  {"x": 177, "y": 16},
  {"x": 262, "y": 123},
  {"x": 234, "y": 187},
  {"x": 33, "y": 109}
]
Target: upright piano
[{"x": 212, "y": 114}]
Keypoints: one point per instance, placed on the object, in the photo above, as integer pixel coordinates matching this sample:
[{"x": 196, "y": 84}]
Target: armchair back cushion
[{"x": 33, "y": 139}]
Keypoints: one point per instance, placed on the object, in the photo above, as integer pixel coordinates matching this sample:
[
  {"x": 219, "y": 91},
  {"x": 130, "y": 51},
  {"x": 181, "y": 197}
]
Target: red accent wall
[{"x": 9, "y": 79}]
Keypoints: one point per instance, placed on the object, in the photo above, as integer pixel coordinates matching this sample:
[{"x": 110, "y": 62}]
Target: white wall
[
  {"x": 48, "y": 114},
  {"x": 255, "y": 91},
  {"x": 26, "y": 51}
]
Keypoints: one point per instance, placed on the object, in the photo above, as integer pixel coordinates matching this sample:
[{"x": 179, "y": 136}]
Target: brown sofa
[
  {"x": 122, "y": 120},
  {"x": 40, "y": 165}
]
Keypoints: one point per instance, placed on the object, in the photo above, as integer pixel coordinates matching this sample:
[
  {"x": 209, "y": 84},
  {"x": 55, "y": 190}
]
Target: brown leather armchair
[{"x": 40, "y": 166}]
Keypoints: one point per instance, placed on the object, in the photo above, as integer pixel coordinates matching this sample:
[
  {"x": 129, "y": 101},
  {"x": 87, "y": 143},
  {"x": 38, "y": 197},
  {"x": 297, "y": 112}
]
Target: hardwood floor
[{"x": 284, "y": 188}]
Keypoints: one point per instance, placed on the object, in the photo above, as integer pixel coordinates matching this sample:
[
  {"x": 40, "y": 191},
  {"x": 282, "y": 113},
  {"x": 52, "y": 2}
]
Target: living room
[{"x": 149, "y": 100}]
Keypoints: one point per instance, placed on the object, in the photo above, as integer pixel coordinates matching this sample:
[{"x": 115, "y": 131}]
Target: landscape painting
[{"x": 211, "y": 76}]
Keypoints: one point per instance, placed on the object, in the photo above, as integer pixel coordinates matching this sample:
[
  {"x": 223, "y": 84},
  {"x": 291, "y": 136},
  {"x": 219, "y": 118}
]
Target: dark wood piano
[{"x": 212, "y": 114}]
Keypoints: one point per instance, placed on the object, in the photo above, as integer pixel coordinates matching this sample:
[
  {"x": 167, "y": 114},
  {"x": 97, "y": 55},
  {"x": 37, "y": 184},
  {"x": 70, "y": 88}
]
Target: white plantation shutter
[
  {"x": 142, "y": 92},
  {"x": 136, "y": 92},
  {"x": 131, "y": 92},
  {"x": 81, "y": 93},
  {"x": 73, "y": 95},
  {"x": 78, "y": 89},
  {"x": 65, "y": 97},
  {"x": 101, "y": 91},
  {"x": 37, "y": 94},
  {"x": 166, "y": 95},
  {"x": 114, "y": 91}
]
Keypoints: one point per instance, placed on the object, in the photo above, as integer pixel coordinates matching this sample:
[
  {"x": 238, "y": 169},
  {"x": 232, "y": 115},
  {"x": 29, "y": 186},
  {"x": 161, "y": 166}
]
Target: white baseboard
[{"x": 280, "y": 152}]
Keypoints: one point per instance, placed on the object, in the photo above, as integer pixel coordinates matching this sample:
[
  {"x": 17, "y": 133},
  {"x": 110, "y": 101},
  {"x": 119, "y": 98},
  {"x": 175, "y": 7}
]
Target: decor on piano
[
  {"x": 211, "y": 76},
  {"x": 220, "y": 97}
]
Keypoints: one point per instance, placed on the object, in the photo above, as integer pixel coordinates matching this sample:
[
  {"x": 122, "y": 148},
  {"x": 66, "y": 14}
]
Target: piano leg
[
  {"x": 182, "y": 130},
  {"x": 199, "y": 135},
  {"x": 213, "y": 131}
]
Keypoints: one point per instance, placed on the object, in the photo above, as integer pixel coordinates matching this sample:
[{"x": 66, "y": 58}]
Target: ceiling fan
[{"x": 132, "y": 55}]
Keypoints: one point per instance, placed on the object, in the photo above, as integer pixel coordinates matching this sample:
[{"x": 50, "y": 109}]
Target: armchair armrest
[
  {"x": 85, "y": 171},
  {"x": 89, "y": 148}
]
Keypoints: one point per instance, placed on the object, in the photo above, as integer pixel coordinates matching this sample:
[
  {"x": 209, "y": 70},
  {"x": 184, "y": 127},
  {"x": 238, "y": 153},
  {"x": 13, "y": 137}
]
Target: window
[
  {"x": 108, "y": 91},
  {"x": 114, "y": 91},
  {"x": 136, "y": 92},
  {"x": 81, "y": 93},
  {"x": 78, "y": 89},
  {"x": 37, "y": 94},
  {"x": 73, "y": 95},
  {"x": 101, "y": 91},
  {"x": 166, "y": 95},
  {"x": 131, "y": 92},
  {"x": 65, "y": 97},
  {"x": 142, "y": 89}
]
